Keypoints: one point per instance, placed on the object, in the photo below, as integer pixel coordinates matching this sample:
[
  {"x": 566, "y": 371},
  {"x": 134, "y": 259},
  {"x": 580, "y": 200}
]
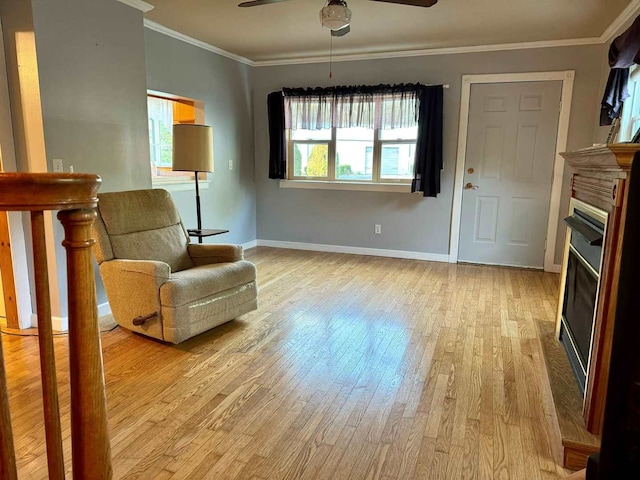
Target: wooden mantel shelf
[{"x": 616, "y": 156}]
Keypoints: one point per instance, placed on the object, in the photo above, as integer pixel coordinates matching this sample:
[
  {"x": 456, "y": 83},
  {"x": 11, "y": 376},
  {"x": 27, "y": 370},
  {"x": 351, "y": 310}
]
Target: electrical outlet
[
  {"x": 58, "y": 165},
  {"x": 377, "y": 229},
  {"x": 230, "y": 164}
]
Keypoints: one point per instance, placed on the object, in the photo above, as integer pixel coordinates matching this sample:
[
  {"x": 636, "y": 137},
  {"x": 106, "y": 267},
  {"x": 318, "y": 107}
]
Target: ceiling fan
[{"x": 336, "y": 16}]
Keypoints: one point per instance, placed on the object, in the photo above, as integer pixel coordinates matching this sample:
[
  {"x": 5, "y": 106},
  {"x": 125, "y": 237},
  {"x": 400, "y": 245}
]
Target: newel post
[{"x": 90, "y": 441}]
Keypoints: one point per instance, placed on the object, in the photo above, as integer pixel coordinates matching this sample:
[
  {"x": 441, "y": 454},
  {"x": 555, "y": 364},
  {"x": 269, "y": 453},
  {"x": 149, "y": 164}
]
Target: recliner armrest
[
  {"x": 133, "y": 290},
  {"x": 150, "y": 268},
  {"x": 205, "y": 254}
]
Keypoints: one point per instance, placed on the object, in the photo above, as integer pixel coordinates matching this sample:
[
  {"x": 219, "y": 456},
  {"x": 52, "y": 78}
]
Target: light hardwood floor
[{"x": 352, "y": 367}]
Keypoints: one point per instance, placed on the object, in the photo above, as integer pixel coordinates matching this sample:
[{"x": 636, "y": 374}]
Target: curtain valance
[{"x": 368, "y": 106}]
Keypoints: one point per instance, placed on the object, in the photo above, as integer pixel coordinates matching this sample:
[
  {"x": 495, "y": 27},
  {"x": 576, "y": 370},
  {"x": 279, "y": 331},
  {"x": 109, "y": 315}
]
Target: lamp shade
[
  {"x": 335, "y": 15},
  {"x": 192, "y": 148}
]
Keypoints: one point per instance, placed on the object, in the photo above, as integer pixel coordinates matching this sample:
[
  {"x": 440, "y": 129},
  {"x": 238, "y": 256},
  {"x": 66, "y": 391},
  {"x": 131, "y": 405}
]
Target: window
[
  {"x": 164, "y": 111},
  {"x": 356, "y": 138},
  {"x": 363, "y": 137},
  {"x": 630, "y": 118}
]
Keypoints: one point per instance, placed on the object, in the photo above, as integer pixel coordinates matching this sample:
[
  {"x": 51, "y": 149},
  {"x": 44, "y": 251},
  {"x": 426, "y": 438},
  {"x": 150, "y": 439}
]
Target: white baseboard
[
  {"x": 555, "y": 268},
  {"x": 61, "y": 324},
  {"x": 248, "y": 245},
  {"x": 104, "y": 309},
  {"x": 376, "y": 252},
  {"x": 58, "y": 324}
]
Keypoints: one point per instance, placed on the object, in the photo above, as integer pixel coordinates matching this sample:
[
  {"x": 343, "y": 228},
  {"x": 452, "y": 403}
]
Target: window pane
[
  {"x": 410, "y": 133},
  {"x": 160, "y": 130},
  {"x": 310, "y": 159},
  {"x": 354, "y": 154},
  {"x": 300, "y": 134},
  {"x": 397, "y": 161}
]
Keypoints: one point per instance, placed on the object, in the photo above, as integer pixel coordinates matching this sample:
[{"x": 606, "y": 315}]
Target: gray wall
[
  {"x": 409, "y": 222},
  {"x": 223, "y": 85},
  {"x": 93, "y": 86},
  {"x": 92, "y": 82}
]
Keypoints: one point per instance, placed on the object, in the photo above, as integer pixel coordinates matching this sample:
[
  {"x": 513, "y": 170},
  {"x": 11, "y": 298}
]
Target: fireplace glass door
[
  {"x": 579, "y": 307},
  {"x": 583, "y": 259}
]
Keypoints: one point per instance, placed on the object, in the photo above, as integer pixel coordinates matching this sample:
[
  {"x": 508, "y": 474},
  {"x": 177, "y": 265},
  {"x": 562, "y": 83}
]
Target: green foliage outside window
[
  {"x": 297, "y": 162},
  {"x": 317, "y": 165},
  {"x": 166, "y": 144},
  {"x": 344, "y": 170}
]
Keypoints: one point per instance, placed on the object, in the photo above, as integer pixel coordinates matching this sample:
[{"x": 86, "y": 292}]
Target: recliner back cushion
[{"x": 145, "y": 225}]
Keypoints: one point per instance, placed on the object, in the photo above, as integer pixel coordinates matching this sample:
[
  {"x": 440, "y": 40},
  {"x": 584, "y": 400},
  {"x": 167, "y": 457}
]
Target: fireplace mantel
[
  {"x": 600, "y": 175},
  {"x": 612, "y": 157}
]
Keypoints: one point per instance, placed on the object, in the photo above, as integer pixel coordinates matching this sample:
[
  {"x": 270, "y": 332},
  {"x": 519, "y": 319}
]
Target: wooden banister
[{"x": 75, "y": 196}]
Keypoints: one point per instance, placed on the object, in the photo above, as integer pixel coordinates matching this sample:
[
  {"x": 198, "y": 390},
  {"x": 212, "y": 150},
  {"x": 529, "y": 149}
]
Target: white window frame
[
  {"x": 184, "y": 180},
  {"x": 627, "y": 120},
  {"x": 331, "y": 167}
]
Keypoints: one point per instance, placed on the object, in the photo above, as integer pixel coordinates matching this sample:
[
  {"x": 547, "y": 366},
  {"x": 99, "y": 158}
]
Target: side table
[{"x": 200, "y": 234}]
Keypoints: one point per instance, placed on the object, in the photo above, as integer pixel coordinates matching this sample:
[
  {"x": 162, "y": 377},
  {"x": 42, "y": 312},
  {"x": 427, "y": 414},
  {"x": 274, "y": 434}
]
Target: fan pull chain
[{"x": 331, "y": 57}]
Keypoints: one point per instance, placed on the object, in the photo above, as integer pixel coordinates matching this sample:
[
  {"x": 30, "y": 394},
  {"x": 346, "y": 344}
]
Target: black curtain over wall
[
  {"x": 277, "y": 137},
  {"x": 428, "y": 162}
]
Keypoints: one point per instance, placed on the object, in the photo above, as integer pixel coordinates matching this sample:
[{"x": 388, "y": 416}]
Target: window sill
[
  {"x": 180, "y": 185},
  {"x": 358, "y": 187}
]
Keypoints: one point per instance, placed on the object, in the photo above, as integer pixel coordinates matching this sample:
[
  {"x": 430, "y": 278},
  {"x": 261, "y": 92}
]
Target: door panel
[
  {"x": 520, "y": 228},
  {"x": 486, "y": 219},
  {"x": 493, "y": 152},
  {"x": 508, "y": 170},
  {"x": 525, "y": 152}
]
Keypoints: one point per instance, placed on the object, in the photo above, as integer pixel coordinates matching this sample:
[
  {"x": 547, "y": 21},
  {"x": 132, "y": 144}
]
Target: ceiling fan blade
[
  {"x": 342, "y": 32},
  {"x": 415, "y": 3},
  {"x": 255, "y": 3}
]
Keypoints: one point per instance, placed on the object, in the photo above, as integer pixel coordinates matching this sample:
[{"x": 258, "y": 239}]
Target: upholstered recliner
[{"x": 157, "y": 283}]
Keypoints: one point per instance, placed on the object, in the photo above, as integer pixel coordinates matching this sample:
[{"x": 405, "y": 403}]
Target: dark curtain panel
[
  {"x": 614, "y": 95},
  {"x": 624, "y": 51},
  {"x": 428, "y": 163},
  {"x": 277, "y": 138}
]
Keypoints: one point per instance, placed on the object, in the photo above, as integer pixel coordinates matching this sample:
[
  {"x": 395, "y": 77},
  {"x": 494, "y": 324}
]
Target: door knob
[{"x": 470, "y": 186}]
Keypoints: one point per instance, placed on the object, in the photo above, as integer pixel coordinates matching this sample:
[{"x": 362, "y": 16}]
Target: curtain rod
[{"x": 444, "y": 85}]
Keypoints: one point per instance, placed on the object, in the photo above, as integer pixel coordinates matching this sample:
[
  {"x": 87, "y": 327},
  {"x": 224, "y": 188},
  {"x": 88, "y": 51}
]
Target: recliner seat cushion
[{"x": 201, "y": 282}]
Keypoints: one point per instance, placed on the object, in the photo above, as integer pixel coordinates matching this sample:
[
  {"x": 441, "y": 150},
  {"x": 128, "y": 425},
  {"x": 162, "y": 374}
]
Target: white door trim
[
  {"x": 566, "y": 77},
  {"x": 16, "y": 227}
]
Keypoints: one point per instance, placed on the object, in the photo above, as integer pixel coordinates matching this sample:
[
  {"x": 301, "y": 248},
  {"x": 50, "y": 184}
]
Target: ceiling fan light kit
[{"x": 335, "y": 15}]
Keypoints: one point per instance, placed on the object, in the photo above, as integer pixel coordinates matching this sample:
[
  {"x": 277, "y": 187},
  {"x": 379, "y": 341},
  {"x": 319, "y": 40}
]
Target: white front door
[{"x": 509, "y": 161}]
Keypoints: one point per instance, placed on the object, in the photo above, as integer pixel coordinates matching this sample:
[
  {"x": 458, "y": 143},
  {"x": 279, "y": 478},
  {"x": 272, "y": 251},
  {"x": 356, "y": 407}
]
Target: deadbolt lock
[{"x": 470, "y": 170}]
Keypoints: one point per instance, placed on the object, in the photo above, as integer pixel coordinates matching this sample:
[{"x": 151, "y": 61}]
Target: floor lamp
[{"x": 193, "y": 152}]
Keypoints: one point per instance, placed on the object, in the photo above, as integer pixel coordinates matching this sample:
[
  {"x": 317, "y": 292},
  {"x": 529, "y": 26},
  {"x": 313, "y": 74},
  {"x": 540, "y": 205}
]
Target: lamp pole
[{"x": 198, "y": 208}]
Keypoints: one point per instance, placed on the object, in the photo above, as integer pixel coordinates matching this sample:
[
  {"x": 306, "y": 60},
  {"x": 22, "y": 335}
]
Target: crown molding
[
  {"x": 138, "y": 5},
  {"x": 627, "y": 14},
  {"x": 151, "y": 25},
  {"x": 431, "y": 51}
]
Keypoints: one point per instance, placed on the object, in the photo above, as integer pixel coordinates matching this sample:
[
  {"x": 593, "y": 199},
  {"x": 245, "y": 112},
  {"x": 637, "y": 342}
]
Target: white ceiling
[{"x": 291, "y": 30}]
